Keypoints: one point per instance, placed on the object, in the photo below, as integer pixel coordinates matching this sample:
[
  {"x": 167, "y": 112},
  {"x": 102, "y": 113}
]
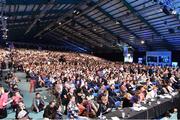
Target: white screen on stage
[
  {"x": 160, "y": 58},
  {"x": 128, "y": 58}
]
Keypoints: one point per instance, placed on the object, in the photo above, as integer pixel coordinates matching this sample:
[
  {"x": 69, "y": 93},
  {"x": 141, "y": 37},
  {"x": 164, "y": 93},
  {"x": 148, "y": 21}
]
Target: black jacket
[{"x": 50, "y": 112}]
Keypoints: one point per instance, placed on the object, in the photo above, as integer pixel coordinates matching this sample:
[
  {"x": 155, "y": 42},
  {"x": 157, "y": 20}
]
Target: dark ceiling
[{"x": 94, "y": 24}]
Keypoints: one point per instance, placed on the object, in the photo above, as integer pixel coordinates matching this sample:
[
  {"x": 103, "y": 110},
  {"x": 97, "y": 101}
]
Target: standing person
[
  {"x": 3, "y": 103},
  {"x": 32, "y": 84},
  {"x": 38, "y": 103},
  {"x": 65, "y": 97}
]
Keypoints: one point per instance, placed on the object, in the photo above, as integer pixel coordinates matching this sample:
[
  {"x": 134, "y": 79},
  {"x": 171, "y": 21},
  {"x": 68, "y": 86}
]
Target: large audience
[{"x": 81, "y": 84}]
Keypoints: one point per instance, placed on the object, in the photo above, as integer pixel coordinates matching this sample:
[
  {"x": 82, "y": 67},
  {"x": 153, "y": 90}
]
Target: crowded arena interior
[{"x": 90, "y": 59}]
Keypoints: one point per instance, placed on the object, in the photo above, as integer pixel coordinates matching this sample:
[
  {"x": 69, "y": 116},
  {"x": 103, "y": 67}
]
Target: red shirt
[
  {"x": 3, "y": 100},
  {"x": 16, "y": 99}
]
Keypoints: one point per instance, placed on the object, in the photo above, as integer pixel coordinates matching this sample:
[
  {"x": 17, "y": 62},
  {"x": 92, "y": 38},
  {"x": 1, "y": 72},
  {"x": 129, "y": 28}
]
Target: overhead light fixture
[
  {"x": 59, "y": 23},
  {"x": 131, "y": 37},
  {"x": 5, "y": 18},
  {"x": 76, "y": 12},
  {"x": 117, "y": 23},
  {"x": 160, "y": 10},
  {"x": 174, "y": 12},
  {"x": 142, "y": 42}
]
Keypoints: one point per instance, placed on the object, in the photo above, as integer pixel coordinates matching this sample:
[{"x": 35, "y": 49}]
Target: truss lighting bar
[{"x": 170, "y": 4}]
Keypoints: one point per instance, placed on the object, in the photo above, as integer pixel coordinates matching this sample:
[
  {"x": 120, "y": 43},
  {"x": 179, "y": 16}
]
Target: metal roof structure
[{"x": 96, "y": 24}]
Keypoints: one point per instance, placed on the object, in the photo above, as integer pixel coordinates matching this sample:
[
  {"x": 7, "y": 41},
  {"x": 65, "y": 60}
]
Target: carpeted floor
[{"x": 24, "y": 87}]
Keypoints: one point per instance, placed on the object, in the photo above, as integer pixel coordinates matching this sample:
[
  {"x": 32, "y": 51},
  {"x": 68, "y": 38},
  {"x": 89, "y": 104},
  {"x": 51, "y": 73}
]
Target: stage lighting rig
[{"x": 3, "y": 18}]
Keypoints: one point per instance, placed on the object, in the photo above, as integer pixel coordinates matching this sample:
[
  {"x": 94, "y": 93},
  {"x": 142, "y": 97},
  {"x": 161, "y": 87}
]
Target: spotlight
[{"x": 142, "y": 42}]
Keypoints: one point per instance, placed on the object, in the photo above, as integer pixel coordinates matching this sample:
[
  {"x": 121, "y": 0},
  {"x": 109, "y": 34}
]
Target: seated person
[
  {"x": 127, "y": 100},
  {"x": 105, "y": 106},
  {"x": 16, "y": 99},
  {"x": 87, "y": 108},
  {"x": 21, "y": 112},
  {"x": 50, "y": 110},
  {"x": 72, "y": 109},
  {"x": 59, "y": 114},
  {"x": 38, "y": 103},
  {"x": 168, "y": 88},
  {"x": 152, "y": 93}
]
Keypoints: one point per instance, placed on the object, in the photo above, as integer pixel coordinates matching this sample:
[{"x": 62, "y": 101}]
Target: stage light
[
  {"x": 59, "y": 23},
  {"x": 142, "y": 42}
]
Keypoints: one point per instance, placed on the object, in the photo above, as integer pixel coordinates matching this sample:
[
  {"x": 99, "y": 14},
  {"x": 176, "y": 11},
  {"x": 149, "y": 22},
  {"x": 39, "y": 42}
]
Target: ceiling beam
[
  {"x": 90, "y": 38},
  {"x": 136, "y": 13},
  {"x": 90, "y": 30},
  {"x": 68, "y": 43},
  {"x": 84, "y": 40},
  {"x": 121, "y": 25},
  {"x": 42, "y": 13},
  {"x": 115, "y": 37},
  {"x": 85, "y": 11},
  {"x": 74, "y": 38},
  {"x": 68, "y": 40},
  {"x": 23, "y": 13},
  {"x": 23, "y": 20},
  {"x": 27, "y": 2},
  {"x": 102, "y": 39}
]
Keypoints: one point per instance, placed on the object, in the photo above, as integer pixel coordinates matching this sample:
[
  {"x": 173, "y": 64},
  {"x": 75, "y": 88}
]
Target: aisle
[{"x": 24, "y": 87}]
